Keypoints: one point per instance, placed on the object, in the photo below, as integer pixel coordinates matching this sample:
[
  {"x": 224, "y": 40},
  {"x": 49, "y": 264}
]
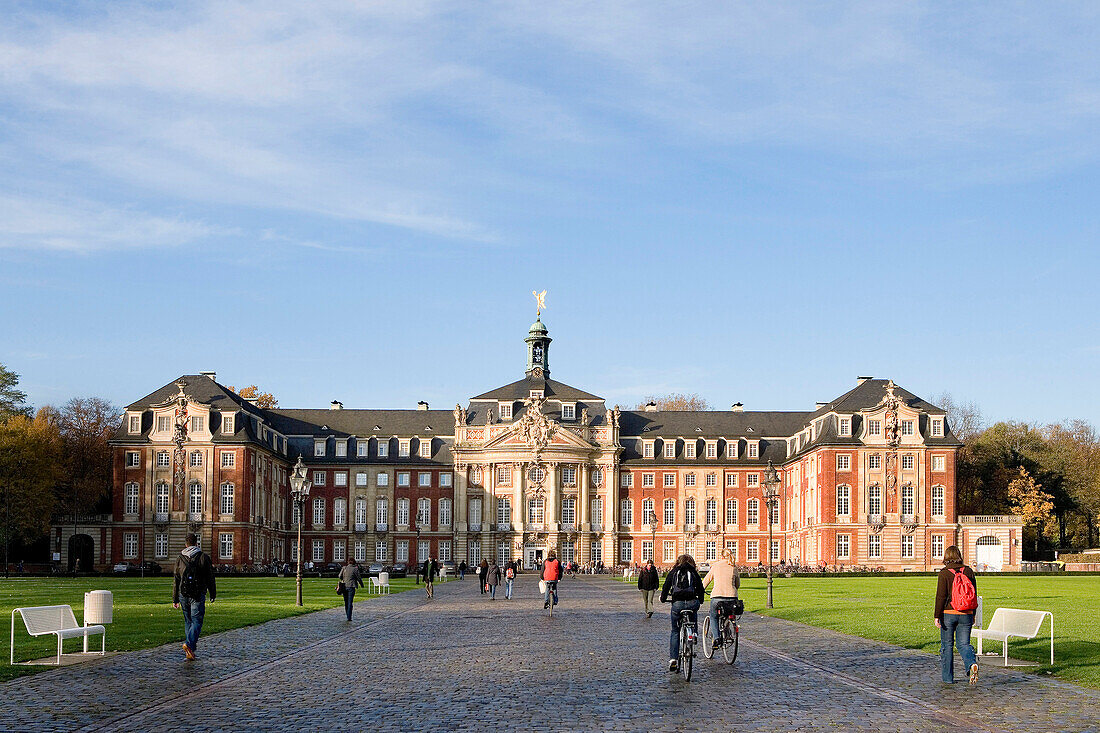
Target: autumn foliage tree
[
  {"x": 1035, "y": 506},
  {"x": 676, "y": 401},
  {"x": 263, "y": 399},
  {"x": 30, "y": 468}
]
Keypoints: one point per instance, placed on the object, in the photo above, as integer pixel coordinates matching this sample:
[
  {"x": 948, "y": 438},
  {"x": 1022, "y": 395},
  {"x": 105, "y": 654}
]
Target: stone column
[
  {"x": 461, "y": 499},
  {"x": 553, "y": 495}
]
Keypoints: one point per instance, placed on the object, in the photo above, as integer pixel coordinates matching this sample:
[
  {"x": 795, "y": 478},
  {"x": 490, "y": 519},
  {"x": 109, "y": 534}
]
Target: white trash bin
[{"x": 99, "y": 608}]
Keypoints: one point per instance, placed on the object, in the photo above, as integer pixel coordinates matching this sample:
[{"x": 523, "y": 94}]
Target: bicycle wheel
[
  {"x": 686, "y": 653},
  {"x": 708, "y": 638},
  {"x": 731, "y": 633}
]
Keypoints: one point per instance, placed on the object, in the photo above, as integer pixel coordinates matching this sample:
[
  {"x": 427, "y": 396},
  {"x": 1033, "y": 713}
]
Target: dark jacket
[
  {"x": 943, "y": 587},
  {"x": 204, "y": 572},
  {"x": 649, "y": 579},
  {"x": 429, "y": 570},
  {"x": 697, "y": 590}
]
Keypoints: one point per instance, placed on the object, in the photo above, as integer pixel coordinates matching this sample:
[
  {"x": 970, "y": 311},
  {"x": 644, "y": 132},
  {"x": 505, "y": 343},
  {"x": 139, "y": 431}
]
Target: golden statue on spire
[{"x": 540, "y": 302}]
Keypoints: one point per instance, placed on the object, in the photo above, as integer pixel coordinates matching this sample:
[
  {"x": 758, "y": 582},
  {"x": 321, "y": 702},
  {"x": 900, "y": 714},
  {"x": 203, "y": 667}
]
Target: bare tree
[
  {"x": 677, "y": 401},
  {"x": 965, "y": 418}
]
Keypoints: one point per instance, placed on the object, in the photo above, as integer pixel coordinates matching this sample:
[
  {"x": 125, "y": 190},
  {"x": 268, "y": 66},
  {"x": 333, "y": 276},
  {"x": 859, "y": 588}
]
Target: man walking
[
  {"x": 648, "y": 583},
  {"x": 192, "y": 579},
  {"x": 429, "y": 570}
]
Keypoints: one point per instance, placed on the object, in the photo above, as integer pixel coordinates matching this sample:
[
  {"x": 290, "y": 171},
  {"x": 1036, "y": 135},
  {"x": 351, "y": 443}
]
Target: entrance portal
[
  {"x": 987, "y": 554},
  {"x": 81, "y": 553}
]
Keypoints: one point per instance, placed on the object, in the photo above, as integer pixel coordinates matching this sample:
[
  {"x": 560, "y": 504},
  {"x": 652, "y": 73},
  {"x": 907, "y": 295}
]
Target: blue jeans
[
  {"x": 492, "y": 592},
  {"x": 349, "y": 594},
  {"x": 551, "y": 587},
  {"x": 193, "y": 611},
  {"x": 956, "y": 628},
  {"x": 714, "y": 601},
  {"x": 674, "y": 638},
  {"x": 508, "y": 588}
]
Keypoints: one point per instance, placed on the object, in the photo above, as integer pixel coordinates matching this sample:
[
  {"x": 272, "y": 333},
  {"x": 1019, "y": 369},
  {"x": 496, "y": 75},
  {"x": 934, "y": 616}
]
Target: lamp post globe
[
  {"x": 771, "y": 496},
  {"x": 299, "y": 492}
]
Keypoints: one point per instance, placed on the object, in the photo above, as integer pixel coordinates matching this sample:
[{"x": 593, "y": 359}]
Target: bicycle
[
  {"x": 687, "y": 643},
  {"x": 729, "y": 632},
  {"x": 551, "y": 595}
]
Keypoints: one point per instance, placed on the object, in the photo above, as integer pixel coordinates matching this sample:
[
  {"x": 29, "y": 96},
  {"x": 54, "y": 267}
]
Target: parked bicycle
[{"x": 728, "y": 633}]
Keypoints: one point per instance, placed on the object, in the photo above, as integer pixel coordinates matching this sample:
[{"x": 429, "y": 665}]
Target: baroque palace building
[{"x": 866, "y": 479}]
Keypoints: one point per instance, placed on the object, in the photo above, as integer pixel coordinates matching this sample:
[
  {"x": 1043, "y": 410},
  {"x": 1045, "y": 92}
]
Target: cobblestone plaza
[{"x": 462, "y": 662}]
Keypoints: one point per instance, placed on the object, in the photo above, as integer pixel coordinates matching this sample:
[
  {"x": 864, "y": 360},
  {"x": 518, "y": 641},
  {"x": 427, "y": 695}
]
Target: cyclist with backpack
[
  {"x": 192, "y": 579},
  {"x": 956, "y": 602},
  {"x": 684, "y": 588}
]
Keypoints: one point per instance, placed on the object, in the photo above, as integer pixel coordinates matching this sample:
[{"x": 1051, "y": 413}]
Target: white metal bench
[
  {"x": 58, "y": 620},
  {"x": 1018, "y": 622},
  {"x": 379, "y": 585}
]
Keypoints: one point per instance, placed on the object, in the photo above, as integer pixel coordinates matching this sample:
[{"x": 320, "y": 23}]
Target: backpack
[
  {"x": 682, "y": 587},
  {"x": 190, "y": 584},
  {"x": 509, "y": 573},
  {"x": 964, "y": 597}
]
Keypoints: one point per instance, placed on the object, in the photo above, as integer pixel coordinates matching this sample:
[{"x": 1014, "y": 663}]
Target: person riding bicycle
[
  {"x": 726, "y": 581},
  {"x": 551, "y": 574},
  {"x": 684, "y": 588}
]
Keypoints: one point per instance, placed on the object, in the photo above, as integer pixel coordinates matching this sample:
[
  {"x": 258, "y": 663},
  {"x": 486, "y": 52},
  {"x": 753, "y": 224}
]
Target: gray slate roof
[{"x": 521, "y": 390}]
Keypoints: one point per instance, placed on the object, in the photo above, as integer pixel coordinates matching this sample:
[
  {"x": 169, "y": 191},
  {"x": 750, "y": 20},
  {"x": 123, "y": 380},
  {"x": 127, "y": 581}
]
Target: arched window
[
  {"x": 163, "y": 494},
  {"x": 445, "y": 512},
  {"x": 194, "y": 492},
  {"x": 227, "y": 498},
  {"x": 424, "y": 512}
]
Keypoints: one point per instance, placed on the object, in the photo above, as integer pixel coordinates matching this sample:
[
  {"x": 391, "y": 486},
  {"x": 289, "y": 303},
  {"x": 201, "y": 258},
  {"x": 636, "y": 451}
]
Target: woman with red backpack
[{"x": 956, "y": 602}]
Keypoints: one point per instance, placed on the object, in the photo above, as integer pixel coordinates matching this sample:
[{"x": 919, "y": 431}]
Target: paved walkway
[{"x": 461, "y": 662}]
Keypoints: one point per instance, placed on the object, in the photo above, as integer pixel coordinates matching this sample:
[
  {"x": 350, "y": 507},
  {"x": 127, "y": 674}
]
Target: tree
[
  {"x": 1035, "y": 506},
  {"x": 965, "y": 418},
  {"x": 265, "y": 400},
  {"x": 30, "y": 452},
  {"x": 12, "y": 400},
  {"x": 677, "y": 401},
  {"x": 1074, "y": 452},
  {"x": 85, "y": 425}
]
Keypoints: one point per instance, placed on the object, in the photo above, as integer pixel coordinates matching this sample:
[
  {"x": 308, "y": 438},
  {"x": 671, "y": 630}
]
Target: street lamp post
[
  {"x": 299, "y": 492},
  {"x": 652, "y": 519},
  {"x": 771, "y": 496}
]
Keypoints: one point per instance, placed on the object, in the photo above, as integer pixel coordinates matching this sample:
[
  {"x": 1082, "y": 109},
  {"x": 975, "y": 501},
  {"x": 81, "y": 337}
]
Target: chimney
[
  {"x": 737, "y": 407},
  {"x": 820, "y": 405},
  {"x": 422, "y": 405},
  {"x": 336, "y": 405},
  {"x": 651, "y": 406},
  {"x": 211, "y": 375},
  {"x": 861, "y": 380}
]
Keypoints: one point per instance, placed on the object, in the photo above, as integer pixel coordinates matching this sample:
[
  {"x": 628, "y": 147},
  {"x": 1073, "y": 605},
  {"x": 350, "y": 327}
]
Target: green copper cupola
[{"x": 538, "y": 350}]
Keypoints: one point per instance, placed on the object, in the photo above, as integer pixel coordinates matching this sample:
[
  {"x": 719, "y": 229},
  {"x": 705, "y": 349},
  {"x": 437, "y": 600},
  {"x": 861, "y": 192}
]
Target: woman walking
[
  {"x": 648, "y": 583},
  {"x": 482, "y": 571},
  {"x": 509, "y": 579},
  {"x": 492, "y": 580},
  {"x": 956, "y": 602},
  {"x": 351, "y": 579}
]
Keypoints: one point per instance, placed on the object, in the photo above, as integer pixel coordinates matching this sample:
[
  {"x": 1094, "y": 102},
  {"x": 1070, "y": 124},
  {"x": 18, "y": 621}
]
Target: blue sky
[{"x": 355, "y": 200}]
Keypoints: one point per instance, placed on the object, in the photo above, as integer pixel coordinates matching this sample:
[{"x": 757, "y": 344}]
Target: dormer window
[
  {"x": 198, "y": 424},
  {"x": 361, "y": 447},
  {"x": 937, "y": 427},
  {"x": 647, "y": 449},
  {"x": 319, "y": 448},
  {"x": 568, "y": 411},
  {"x": 135, "y": 424},
  {"x": 731, "y": 449},
  {"x": 712, "y": 449},
  {"x": 754, "y": 449},
  {"x": 874, "y": 427},
  {"x": 505, "y": 410},
  {"x": 906, "y": 427},
  {"x": 845, "y": 426},
  {"x": 426, "y": 448},
  {"x": 670, "y": 449},
  {"x": 341, "y": 449},
  {"x": 383, "y": 448},
  {"x": 164, "y": 423},
  {"x": 403, "y": 448},
  {"x": 537, "y": 394},
  {"x": 227, "y": 424},
  {"x": 689, "y": 449}
]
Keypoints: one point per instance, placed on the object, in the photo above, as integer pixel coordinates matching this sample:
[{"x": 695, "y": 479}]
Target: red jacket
[{"x": 551, "y": 570}]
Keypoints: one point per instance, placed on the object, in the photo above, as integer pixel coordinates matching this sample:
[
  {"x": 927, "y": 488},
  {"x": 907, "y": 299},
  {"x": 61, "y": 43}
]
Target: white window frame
[
  {"x": 504, "y": 410},
  {"x": 939, "y": 501},
  {"x": 648, "y": 480},
  {"x": 424, "y": 479},
  {"x": 843, "y": 501},
  {"x": 444, "y": 480},
  {"x": 752, "y": 551},
  {"x": 318, "y": 551},
  {"x": 402, "y": 478},
  {"x": 381, "y": 551},
  {"x": 382, "y": 479},
  {"x": 227, "y": 498},
  {"x": 340, "y": 511},
  {"x": 568, "y": 411},
  {"x": 843, "y": 546},
  {"x": 669, "y": 552},
  {"x": 402, "y": 551},
  {"x": 626, "y": 512},
  {"x": 712, "y": 479},
  {"x": 341, "y": 448},
  {"x": 362, "y": 447},
  {"x": 938, "y": 543},
  {"x": 712, "y": 449},
  {"x": 160, "y": 545},
  {"x": 225, "y": 545},
  {"x": 359, "y": 550},
  {"x": 626, "y": 552},
  {"x": 134, "y": 424},
  {"x": 689, "y": 480},
  {"x": 446, "y": 515},
  {"x": 320, "y": 478},
  {"x": 845, "y": 428},
  {"x": 320, "y": 448},
  {"x": 731, "y": 480},
  {"x": 669, "y": 450},
  {"x": 936, "y": 427},
  {"x": 318, "y": 510},
  {"x": 843, "y": 462},
  {"x": 669, "y": 512},
  {"x": 908, "y": 461},
  {"x": 908, "y": 547},
  {"x": 752, "y": 512},
  {"x": 754, "y": 449},
  {"x": 668, "y": 480},
  {"x": 361, "y": 479},
  {"x": 874, "y": 462},
  {"x": 874, "y": 546},
  {"x": 731, "y": 513},
  {"x": 340, "y": 478},
  {"x": 939, "y": 464},
  {"x": 383, "y": 448},
  {"x": 907, "y": 427},
  {"x": 689, "y": 449},
  {"x": 425, "y": 447},
  {"x": 133, "y": 497},
  {"x": 130, "y": 545},
  {"x": 648, "y": 448},
  {"x": 752, "y": 480},
  {"x": 403, "y": 447},
  {"x": 339, "y": 550},
  {"x": 133, "y": 459},
  {"x": 874, "y": 428},
  {"x": 626, "y": 480}
]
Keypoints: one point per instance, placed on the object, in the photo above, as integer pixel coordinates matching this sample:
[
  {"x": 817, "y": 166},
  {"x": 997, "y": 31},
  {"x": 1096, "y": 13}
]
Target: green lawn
[{"x": 143, "y": 613}]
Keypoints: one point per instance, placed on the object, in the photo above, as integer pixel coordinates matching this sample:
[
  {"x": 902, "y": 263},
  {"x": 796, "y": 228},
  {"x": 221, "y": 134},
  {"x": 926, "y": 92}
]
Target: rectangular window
[
  {"x": 445, "y": 513},
  {"x": 647, "y": 550},
  {"x": 338, "y": 550},
  {"x": 647, "y": 449},
  {"x": 129, "y": 545},
  {"x": 225, "y": 545},
  {"x": 361, "y": 478},
  {"x": 752, "y": 551},
  {"x": 383, "y": 479},
  {"x": 340, "y": 512},
  {"x": 937, "y": 545},
  {"x": 874, "y": 461},
  {"x": 445, "y": 480},
  {"x": 360, "y": 551},
  {"x": 163, "y": 499},
  {"x": 712, "y": 449},
  {"x": 731, "y": 480},
  {"x": 626, "y": 480},
  {"x": 907, "y": 546},
  {"x": 669, "y": 552},
  {"x": 319, "y": 478},
  {"x": 874, "y": 500},
  {"x": 647, "y": 480},
  {"x": 473, "y": 551},
  {"x": 731, "y": 449},
  {"x": 731, "y": 545},
  {"x": 907, "y": 502},
  {"x": 874, "y": 546},
  {"x": 318, "y": 550},
  {"x": 165, "y": 459},
  {"x": 754, "y": 449},
  {"x": 505, "y": 410},
  {"x": 504, "y": 475},
  {"x": 194, "y": 460},
  {"x": 568, "y": 412},
  {"x": 402, "y": 478},
  {"x": 402, "y": 551},
  {"x": 731, "y": 512},
  {"x": 135, "y": 424},
  {"x": 843, "y": 504},
  {"x": 403, "y": 448},
  {"x": 341, "y": 448},
  {"x": 383, "y": 448},
  {"x": 340, "y": 478},
  {"x": 196, "y": 500},
  {"x": 133, "y": 459},
  {"x": 423, "y": 550},
  {"x": 318, "y": 511},
  {"x": 939, "y": 464},
  {"x": 569, "y": 476},
  {"x": 164, "y": 424},
  {"x": 131, "y": 498},
  {"x": 937, "y": 501},
  {"x": 597, "y": 551},
  {"x": 381, "y": 551},
  {"x": 843, "y": 462},
  {"x": 712, "y": 479},
  {"x": 669, "y": 480},
  {"x": 906, "y": 427},
  {"x": 198, "y": 424},
  {"x": 670, "y": 449},
  {"x": 843, "y": 546},
  {"x": 775, "y": 551},
  {"x": 403, "y": 512},
  {"x": 753, "y": 512},
  {"x": 874, "y": 427},
  {"x": 294, "y": 550},
  {"x": 711, "y": 551},
  {"x": 626, "y": 551},
  {"x": 689, "y": 449},
  {"x": 425, "y": 447},
  {"x": 907, "y": 461},
  {"x": 444, "y": 550},
  {"x": 626, "y": 512},
  {"x": 360, "y": 512},
  {"x": 160, "y": 545},
  {"x": 689, "y": 480},
  {"x": 361, "y": 448},
  {"x": 845, "y": 426},
  {"x": 670, "y": 512},
  {"x": 229, "y": 459},
  {"x": 227, "y": 498},
  {"x": 424, "y": 479},
  {"x": 753, "y": 479}
]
